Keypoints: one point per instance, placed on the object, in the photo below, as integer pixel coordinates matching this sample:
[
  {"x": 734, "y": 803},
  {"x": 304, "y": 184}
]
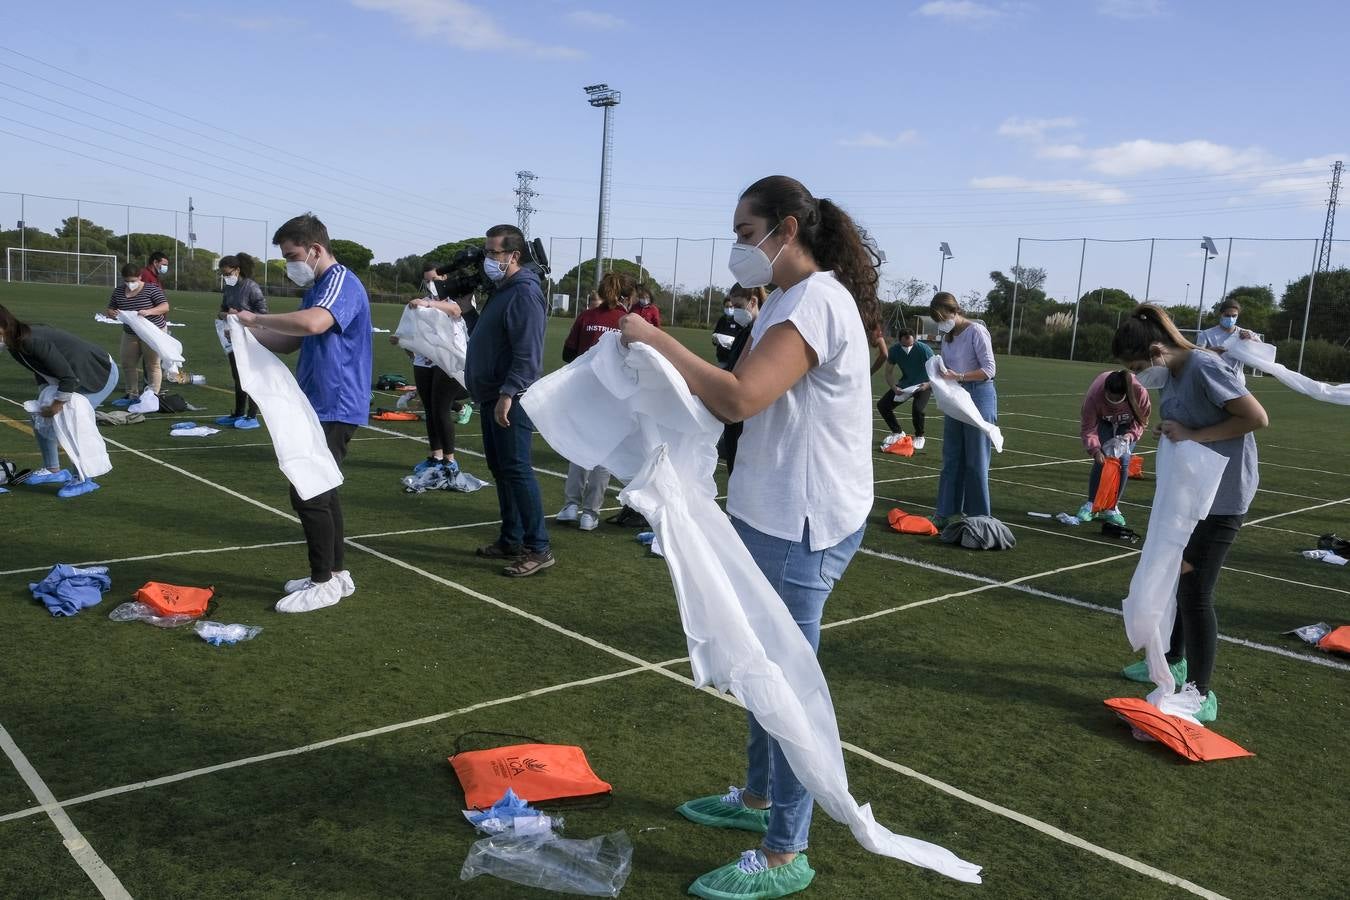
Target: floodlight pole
[
  {"x": 1200, "y": 306},
  {"x": 1227, "y": 262},
  {"x": 601, "y": 96}
]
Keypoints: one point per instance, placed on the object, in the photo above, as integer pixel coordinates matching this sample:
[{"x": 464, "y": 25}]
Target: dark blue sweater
[{"x": 506, "y": 349}]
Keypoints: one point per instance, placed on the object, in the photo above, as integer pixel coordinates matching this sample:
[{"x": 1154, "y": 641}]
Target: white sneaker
[
  {"x": 891, "y": 439},
  {"x": 568, "y": 513},
  {"x": 588, "y": 521},
  {"x": 343, "y": 578},
  {"x": 918, "y": 443},
  {"x": 316, "y": 596}
]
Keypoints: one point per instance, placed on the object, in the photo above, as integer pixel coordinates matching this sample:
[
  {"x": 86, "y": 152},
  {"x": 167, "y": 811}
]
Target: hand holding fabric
[{"x": 633, "y": 329}]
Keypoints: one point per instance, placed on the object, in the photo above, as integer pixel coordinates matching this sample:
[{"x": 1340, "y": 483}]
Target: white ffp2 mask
[{"x": 750, "y": 265}]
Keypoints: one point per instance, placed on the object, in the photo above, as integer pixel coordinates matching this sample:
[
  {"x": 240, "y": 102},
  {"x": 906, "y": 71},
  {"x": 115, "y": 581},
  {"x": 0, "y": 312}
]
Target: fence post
[
  {"x": 267, "y": 231},
  {"x": 1307, "y": 307},
  {"x": 1148, "y": 281},
  {"x": 77, "y": 243},
  {"x": 674, "y": 281},
  {"x": 175, "y": 249},
  {"x": 1073, "y": 341},
  {"x": 23, "y": 238},
  {"x": 712, "y": 260},
  {"x": 1228, "y": 261},
  {"x": 128, "y": 235},
  {"x": 1012, "y": 316}
]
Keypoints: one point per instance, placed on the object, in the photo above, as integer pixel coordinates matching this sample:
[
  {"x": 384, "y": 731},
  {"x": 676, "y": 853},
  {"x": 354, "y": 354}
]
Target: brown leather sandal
[{"x": 529, "y": 564}]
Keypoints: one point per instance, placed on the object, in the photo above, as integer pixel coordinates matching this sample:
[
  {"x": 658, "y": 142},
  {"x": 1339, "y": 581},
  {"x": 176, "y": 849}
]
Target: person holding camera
[{"x": 506, "y": 354}]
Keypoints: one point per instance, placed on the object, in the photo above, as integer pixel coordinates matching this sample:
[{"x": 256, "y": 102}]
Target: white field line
[
  {"x": 987, "y": 587},
  {"x": 1051, "y": 831},
  {"x": 991, "y": 583},
  {"x": 320, "y": 745},
  {"x": 1294, "y": 512},
  {"x": 104, "y": 879},
  {"x": 553, "y": 626},
  {"x": 1102, "y": 542},
  {"x": 187, "y": 445}
]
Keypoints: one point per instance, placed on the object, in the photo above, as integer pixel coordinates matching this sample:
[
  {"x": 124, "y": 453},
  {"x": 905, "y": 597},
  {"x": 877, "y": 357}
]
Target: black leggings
[
  {"x": 887, "y": 404},
  {"x": 321, "y": 516},
  {"x": 440, "y": 396},
  {"x": 1195, "y": 633},
  {"x": 242, "y": 400}
]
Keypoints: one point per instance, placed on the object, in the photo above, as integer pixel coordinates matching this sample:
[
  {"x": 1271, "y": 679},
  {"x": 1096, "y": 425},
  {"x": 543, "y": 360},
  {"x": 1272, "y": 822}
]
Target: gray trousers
[{"x": 586, "y": 487}]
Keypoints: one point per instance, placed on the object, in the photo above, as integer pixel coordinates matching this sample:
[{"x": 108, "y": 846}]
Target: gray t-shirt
[{"x": 1195, "y": 398}]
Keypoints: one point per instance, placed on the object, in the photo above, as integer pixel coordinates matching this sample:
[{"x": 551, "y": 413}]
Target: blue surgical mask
[
  {"x": 493, "y": 270},
  {"x": 1228, "y": 321}
]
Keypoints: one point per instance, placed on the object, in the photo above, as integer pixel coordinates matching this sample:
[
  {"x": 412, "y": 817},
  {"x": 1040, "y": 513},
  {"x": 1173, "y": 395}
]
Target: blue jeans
[
  {"x": 1105, "y": 432},
  {"x": 804, "y": 580},
  {"x": 51, "y": 450},
  {"x": 964, "y": 484},
  {"x": 508, "y": 458}
]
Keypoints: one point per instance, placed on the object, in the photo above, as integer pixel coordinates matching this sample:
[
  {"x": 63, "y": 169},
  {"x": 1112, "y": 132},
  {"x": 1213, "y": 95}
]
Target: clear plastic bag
[
  {"x": 597, "y": 867},
  {"x": 218, "y": 633},
  {"x": 135, "y": 611}
]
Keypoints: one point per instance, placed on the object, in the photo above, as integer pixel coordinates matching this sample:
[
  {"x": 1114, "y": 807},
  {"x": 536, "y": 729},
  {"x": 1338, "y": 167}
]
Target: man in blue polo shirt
[{"x": 331, "y": 329}]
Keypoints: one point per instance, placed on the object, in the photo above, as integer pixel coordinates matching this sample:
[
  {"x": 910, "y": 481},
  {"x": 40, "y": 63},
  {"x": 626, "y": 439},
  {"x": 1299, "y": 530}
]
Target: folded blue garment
[{"x": 67, "y": 589}]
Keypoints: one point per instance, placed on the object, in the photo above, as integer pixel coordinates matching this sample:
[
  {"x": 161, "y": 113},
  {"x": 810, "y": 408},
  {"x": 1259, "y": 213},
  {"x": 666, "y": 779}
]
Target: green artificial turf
[{"x": 935, "y": 665}]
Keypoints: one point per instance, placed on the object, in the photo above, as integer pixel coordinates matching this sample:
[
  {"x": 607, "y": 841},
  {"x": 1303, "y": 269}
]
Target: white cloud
[
  {"x": 1083, "y": 190},
  {"x": 1139, "y": 156},
  {"x": 1311, "y": 187},
  {"x": 463, "y": 25},
  {"x": 1034, "y": 129},
  {"x": 1131, "y": 9},
  {"x": 600, "y": 21},
  {"x": 871, "y": 139},
  {"x": 959, "y": 11}
]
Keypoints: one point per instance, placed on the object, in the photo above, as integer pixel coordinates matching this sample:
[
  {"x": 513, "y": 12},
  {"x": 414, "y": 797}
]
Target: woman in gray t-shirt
[{"x": 1202, "y": 400}]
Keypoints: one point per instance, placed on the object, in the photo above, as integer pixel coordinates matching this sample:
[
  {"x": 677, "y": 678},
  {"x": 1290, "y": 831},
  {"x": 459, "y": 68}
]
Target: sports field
[{"x": 310, "y": 762}]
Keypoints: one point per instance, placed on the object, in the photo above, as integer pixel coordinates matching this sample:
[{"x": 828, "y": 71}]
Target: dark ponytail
[
  {"x": 1146, "y": 326},
  {"x": 241, "y": 261},
  {"x": 831, "y": 236},
  {"x": 15, "y": 332}
]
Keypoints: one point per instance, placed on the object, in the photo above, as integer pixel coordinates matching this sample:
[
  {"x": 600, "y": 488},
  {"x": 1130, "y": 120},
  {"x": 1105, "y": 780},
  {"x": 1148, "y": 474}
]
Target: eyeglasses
[{"x": 496, "y": 253}]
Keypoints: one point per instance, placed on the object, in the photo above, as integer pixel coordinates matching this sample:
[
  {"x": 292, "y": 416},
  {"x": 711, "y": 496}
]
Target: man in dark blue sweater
[{"x": 506, "y": 352}]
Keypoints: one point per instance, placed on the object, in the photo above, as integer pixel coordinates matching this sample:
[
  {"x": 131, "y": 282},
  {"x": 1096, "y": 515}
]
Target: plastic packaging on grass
[
  {"x": 597, "y": 867},
  {"x": 509, "y": 813},
  {"x": 135, "y": 611},
  {"x": 218, "y": 634}
]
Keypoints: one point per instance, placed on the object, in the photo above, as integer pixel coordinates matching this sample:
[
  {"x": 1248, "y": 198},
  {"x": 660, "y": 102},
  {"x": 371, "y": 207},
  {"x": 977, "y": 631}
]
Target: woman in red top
[
  {"x": 645, "y": 307},
  {"x": 585, "y": 489}
]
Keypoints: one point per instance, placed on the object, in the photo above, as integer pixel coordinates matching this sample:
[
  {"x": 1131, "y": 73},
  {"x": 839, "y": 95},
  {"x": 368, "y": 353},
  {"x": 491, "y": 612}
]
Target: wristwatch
[{"x": 960, "y": 377}]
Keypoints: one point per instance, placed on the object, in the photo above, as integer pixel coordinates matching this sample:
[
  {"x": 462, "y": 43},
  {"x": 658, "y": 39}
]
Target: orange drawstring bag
[
  {"x": 902, "y": 447},
  {"x": 905, "y": 523},
  {"x": 1194, "y": 742},
  {"x": 1136, "y": 467},
  {"x": 1108, "y": 486},
  {"x": 386, "y": 415},
  {"x": 536, "y": 772},
  {"x": 173, "y": 600},
  {"x": 1338, "y": 639}
]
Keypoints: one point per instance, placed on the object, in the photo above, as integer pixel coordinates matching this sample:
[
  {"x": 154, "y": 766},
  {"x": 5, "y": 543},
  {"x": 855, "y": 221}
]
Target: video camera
[{"x": 464, "y": 274}]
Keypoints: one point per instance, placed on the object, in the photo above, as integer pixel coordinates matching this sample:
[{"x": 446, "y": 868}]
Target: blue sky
[{"x": 403, "y": 122}]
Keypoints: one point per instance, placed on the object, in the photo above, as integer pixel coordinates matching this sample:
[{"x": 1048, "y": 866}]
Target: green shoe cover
[
  {"x": 750, "y": 879},
  {"x": 1209, "y": 710},
  {"x": 726, "y": 811},
  {"x": 1138, "y": 671}
]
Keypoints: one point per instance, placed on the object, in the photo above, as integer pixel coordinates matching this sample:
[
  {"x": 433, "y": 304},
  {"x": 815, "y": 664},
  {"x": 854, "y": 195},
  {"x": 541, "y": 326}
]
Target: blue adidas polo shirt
[{"x": 335, "y": 367}]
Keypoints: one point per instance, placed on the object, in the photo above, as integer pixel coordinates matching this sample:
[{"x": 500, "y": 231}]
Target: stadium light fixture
[
  {"x": 601, "y": 96},
  {"x": 945, "y": 249}
]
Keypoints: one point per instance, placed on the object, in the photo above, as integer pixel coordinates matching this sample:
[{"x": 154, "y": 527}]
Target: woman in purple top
[{"x": 968, "y": 353}]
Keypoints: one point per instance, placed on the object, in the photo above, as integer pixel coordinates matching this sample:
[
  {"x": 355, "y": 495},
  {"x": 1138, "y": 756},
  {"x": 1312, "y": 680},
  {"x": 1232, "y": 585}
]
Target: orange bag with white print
[
  {"x": 536, "y": 772},
  {"x": 1194, "y": 742}
]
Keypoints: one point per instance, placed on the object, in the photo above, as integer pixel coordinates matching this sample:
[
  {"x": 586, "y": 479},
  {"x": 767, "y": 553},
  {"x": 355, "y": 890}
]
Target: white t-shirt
[{"x": 808, "y": 457}]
